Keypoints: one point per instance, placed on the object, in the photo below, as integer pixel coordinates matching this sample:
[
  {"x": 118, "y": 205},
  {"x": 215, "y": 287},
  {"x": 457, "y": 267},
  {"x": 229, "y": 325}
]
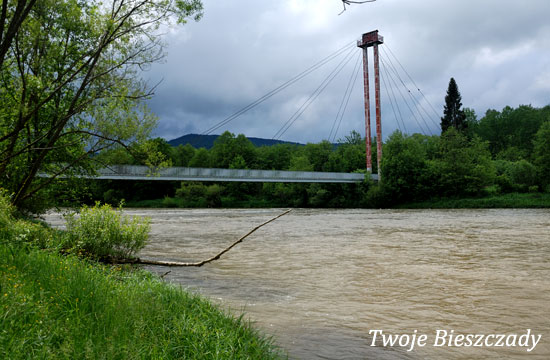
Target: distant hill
[{"x": 207, "y": 141}]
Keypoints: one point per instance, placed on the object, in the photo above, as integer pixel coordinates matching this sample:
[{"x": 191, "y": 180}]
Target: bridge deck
[{"x": 130, "y": 172}]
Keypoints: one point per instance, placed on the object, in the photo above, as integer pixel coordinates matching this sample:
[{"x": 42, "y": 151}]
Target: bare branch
[
  {"x": 349, "y": 2},
  {"x": 201, "y": 263}
]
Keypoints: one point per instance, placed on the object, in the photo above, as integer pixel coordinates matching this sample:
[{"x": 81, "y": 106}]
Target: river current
[{"x": 322, "y": 282}]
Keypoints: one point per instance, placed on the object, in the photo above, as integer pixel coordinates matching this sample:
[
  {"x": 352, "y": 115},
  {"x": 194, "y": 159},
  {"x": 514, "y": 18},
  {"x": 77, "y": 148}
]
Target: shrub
[
  {"x": 191, "y": 191},
  {"x": 214, "y": 195},
  {"x": 492, "y": 190},
  {"x": 6, "y": 218},
  {"x": 19, "y": 231},
  {"x": 101, "y": 232},
  {"x": 516, "y": 175},
  {"x": 169, "y": 202}
]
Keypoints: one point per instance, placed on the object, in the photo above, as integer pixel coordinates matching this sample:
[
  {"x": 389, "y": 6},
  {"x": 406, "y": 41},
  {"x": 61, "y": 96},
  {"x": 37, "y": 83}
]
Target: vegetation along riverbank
[
  {"x": 59, "y": 303},
  {"x": 499, "y": 160}
]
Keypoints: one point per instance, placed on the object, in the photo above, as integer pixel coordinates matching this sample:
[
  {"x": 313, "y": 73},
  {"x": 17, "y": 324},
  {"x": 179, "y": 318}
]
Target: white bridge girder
[{"x": 131, "y": 172}]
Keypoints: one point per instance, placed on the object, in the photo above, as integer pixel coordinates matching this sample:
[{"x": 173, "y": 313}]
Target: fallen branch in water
[{"x": 200, "y": 263}]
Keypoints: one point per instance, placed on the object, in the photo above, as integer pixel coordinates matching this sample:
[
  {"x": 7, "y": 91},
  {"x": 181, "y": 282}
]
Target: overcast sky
[{"x": 498, "y": 52}]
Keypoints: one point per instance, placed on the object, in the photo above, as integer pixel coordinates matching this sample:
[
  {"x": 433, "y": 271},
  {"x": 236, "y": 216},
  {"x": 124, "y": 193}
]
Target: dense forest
[{"x": 504, "y": 152}]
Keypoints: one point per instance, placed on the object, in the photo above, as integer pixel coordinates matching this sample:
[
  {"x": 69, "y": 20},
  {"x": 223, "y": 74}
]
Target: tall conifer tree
[{"x": 453, "y": 115}]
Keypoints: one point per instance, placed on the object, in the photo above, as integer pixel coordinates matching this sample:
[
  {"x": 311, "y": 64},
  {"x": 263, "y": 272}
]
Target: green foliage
[
  {"x": 227, "y": 148},
  {"x": 60, "y": 307},
  {"x": 191, "y": 190},
  {"x": 17, "y": 231},
  {"x": 201, "y": 159},
  {"x": 348, "y": 157},
  {"x": 541, "y": 154},
  {"x": 101, "y": 232},
  {"x": 491, "y": 201},
  {"x": 453, "y": 115},
  {"x": 276, "y": 157},
  {"x": 403, "y": 167},
  {"x": 510, "y": 132},
  {"x": 71, "y": 87},
  {"x": 214, "y": 195},
  {"x": 112, "y": 196},
  {"x": 195, "y": 194},
  {"x": 319, "y": 154},
  {"x": 419, "y": 167},
  {"x": 378, "y": 196},
  {"x": 300, "y": 163},
  {"x": 169, "y": 202},
  {"x": 515, "y": 176},
  {"x": 318, "y": 196},
  {"x": 461, "y": 167},
  {"x": 238, "y": 162},
  {"x": 415, "y": 168},
  {"x": 6, "y": 217},
  {"x": 183, "y": 155}
]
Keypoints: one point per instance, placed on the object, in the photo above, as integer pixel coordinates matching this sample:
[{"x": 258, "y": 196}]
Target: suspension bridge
[
  {"x": 416, "y": 105},
  {"x": 130, "y": 172}
]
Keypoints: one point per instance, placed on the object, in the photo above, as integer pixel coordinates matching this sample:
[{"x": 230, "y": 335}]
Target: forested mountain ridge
[{"x": 207, "y": 141}]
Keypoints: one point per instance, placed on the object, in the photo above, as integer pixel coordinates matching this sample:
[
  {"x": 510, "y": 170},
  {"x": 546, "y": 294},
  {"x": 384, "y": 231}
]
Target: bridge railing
[{"x": 132, "y": 172}]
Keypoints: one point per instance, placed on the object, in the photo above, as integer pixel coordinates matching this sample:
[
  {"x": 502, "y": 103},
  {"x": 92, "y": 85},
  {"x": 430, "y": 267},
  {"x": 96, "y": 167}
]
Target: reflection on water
[{"x": 320, "y": 280}]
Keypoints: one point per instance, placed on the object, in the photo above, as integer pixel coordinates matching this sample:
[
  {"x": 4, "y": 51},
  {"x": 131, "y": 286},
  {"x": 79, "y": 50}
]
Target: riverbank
[
  {"x": 62, "y": 306},
  {"x": 502, "y": 201}
]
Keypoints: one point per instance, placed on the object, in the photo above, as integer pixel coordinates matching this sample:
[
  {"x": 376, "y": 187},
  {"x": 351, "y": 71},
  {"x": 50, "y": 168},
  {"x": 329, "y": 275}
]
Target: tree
[
  {"x": 354, "y": 138},
  {"x": 542, "y": 153},
  {"x": 227, "y": 147},
  {"x": 511, "y": 131},
  {"x": 276, "y": 157},
  {"x": 70, "y": 84},
  {"x": 201, "y": 159},
  {"x": 184, "y": 154},
  {"x": 349, "y": 155},
  {"x": 318, "y": 154},
  {"x": 11, "y": 18},
  {"x": 403, "y": 165},
  {"x": 460, "y": 167},
  {"x": 453, "y": 115}
]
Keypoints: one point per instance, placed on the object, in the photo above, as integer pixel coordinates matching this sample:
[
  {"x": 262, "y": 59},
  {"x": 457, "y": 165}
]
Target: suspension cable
[
  {"x": 394, "y": 70},
  {"x": 313, "y": 96},
  {"x": 415, "y": 102},
  {"x": 404, "y": 99},
  {"x": 279, "y": 88},
  {"x": 422, "y": 94},
  {"x": 386, "y": 86},
  {"x": 345, "y": 100},
  {"x": 414, "y": 83}
]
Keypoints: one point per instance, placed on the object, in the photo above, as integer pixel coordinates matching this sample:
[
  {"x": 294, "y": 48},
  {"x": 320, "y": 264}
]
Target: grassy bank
[
  {"x": 61, "y": 307},
  {"x": 512, "y": 200},
  {"x": 55, "y": 304}
]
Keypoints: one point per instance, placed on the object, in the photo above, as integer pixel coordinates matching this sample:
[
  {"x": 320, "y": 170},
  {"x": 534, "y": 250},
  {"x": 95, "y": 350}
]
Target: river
[{"x": 322, "y": 281}]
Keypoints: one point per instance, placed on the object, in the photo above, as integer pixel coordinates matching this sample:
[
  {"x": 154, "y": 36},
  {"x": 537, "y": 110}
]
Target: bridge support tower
[{"x": 372, "y": 39}]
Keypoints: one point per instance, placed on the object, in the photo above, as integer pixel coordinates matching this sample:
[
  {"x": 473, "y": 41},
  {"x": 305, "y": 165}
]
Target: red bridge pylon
[{"x": 367, "y": 40}]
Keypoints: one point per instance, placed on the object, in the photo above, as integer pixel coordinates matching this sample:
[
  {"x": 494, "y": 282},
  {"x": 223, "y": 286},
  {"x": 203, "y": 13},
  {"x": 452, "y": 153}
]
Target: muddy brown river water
[{"x": 335, "y": 284}]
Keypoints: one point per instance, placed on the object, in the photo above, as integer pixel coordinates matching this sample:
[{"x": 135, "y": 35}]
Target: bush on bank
[{"x": 104, "y": 233}]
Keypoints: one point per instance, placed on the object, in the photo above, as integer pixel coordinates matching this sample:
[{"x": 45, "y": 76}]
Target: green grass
[
  {"x": 512, "y": 200},
  {"x": 61, "y": 307}
]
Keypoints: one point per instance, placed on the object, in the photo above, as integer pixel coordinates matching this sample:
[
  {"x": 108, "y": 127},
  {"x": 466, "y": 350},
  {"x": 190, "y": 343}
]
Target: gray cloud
[{"x": 498, "y": 51}]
